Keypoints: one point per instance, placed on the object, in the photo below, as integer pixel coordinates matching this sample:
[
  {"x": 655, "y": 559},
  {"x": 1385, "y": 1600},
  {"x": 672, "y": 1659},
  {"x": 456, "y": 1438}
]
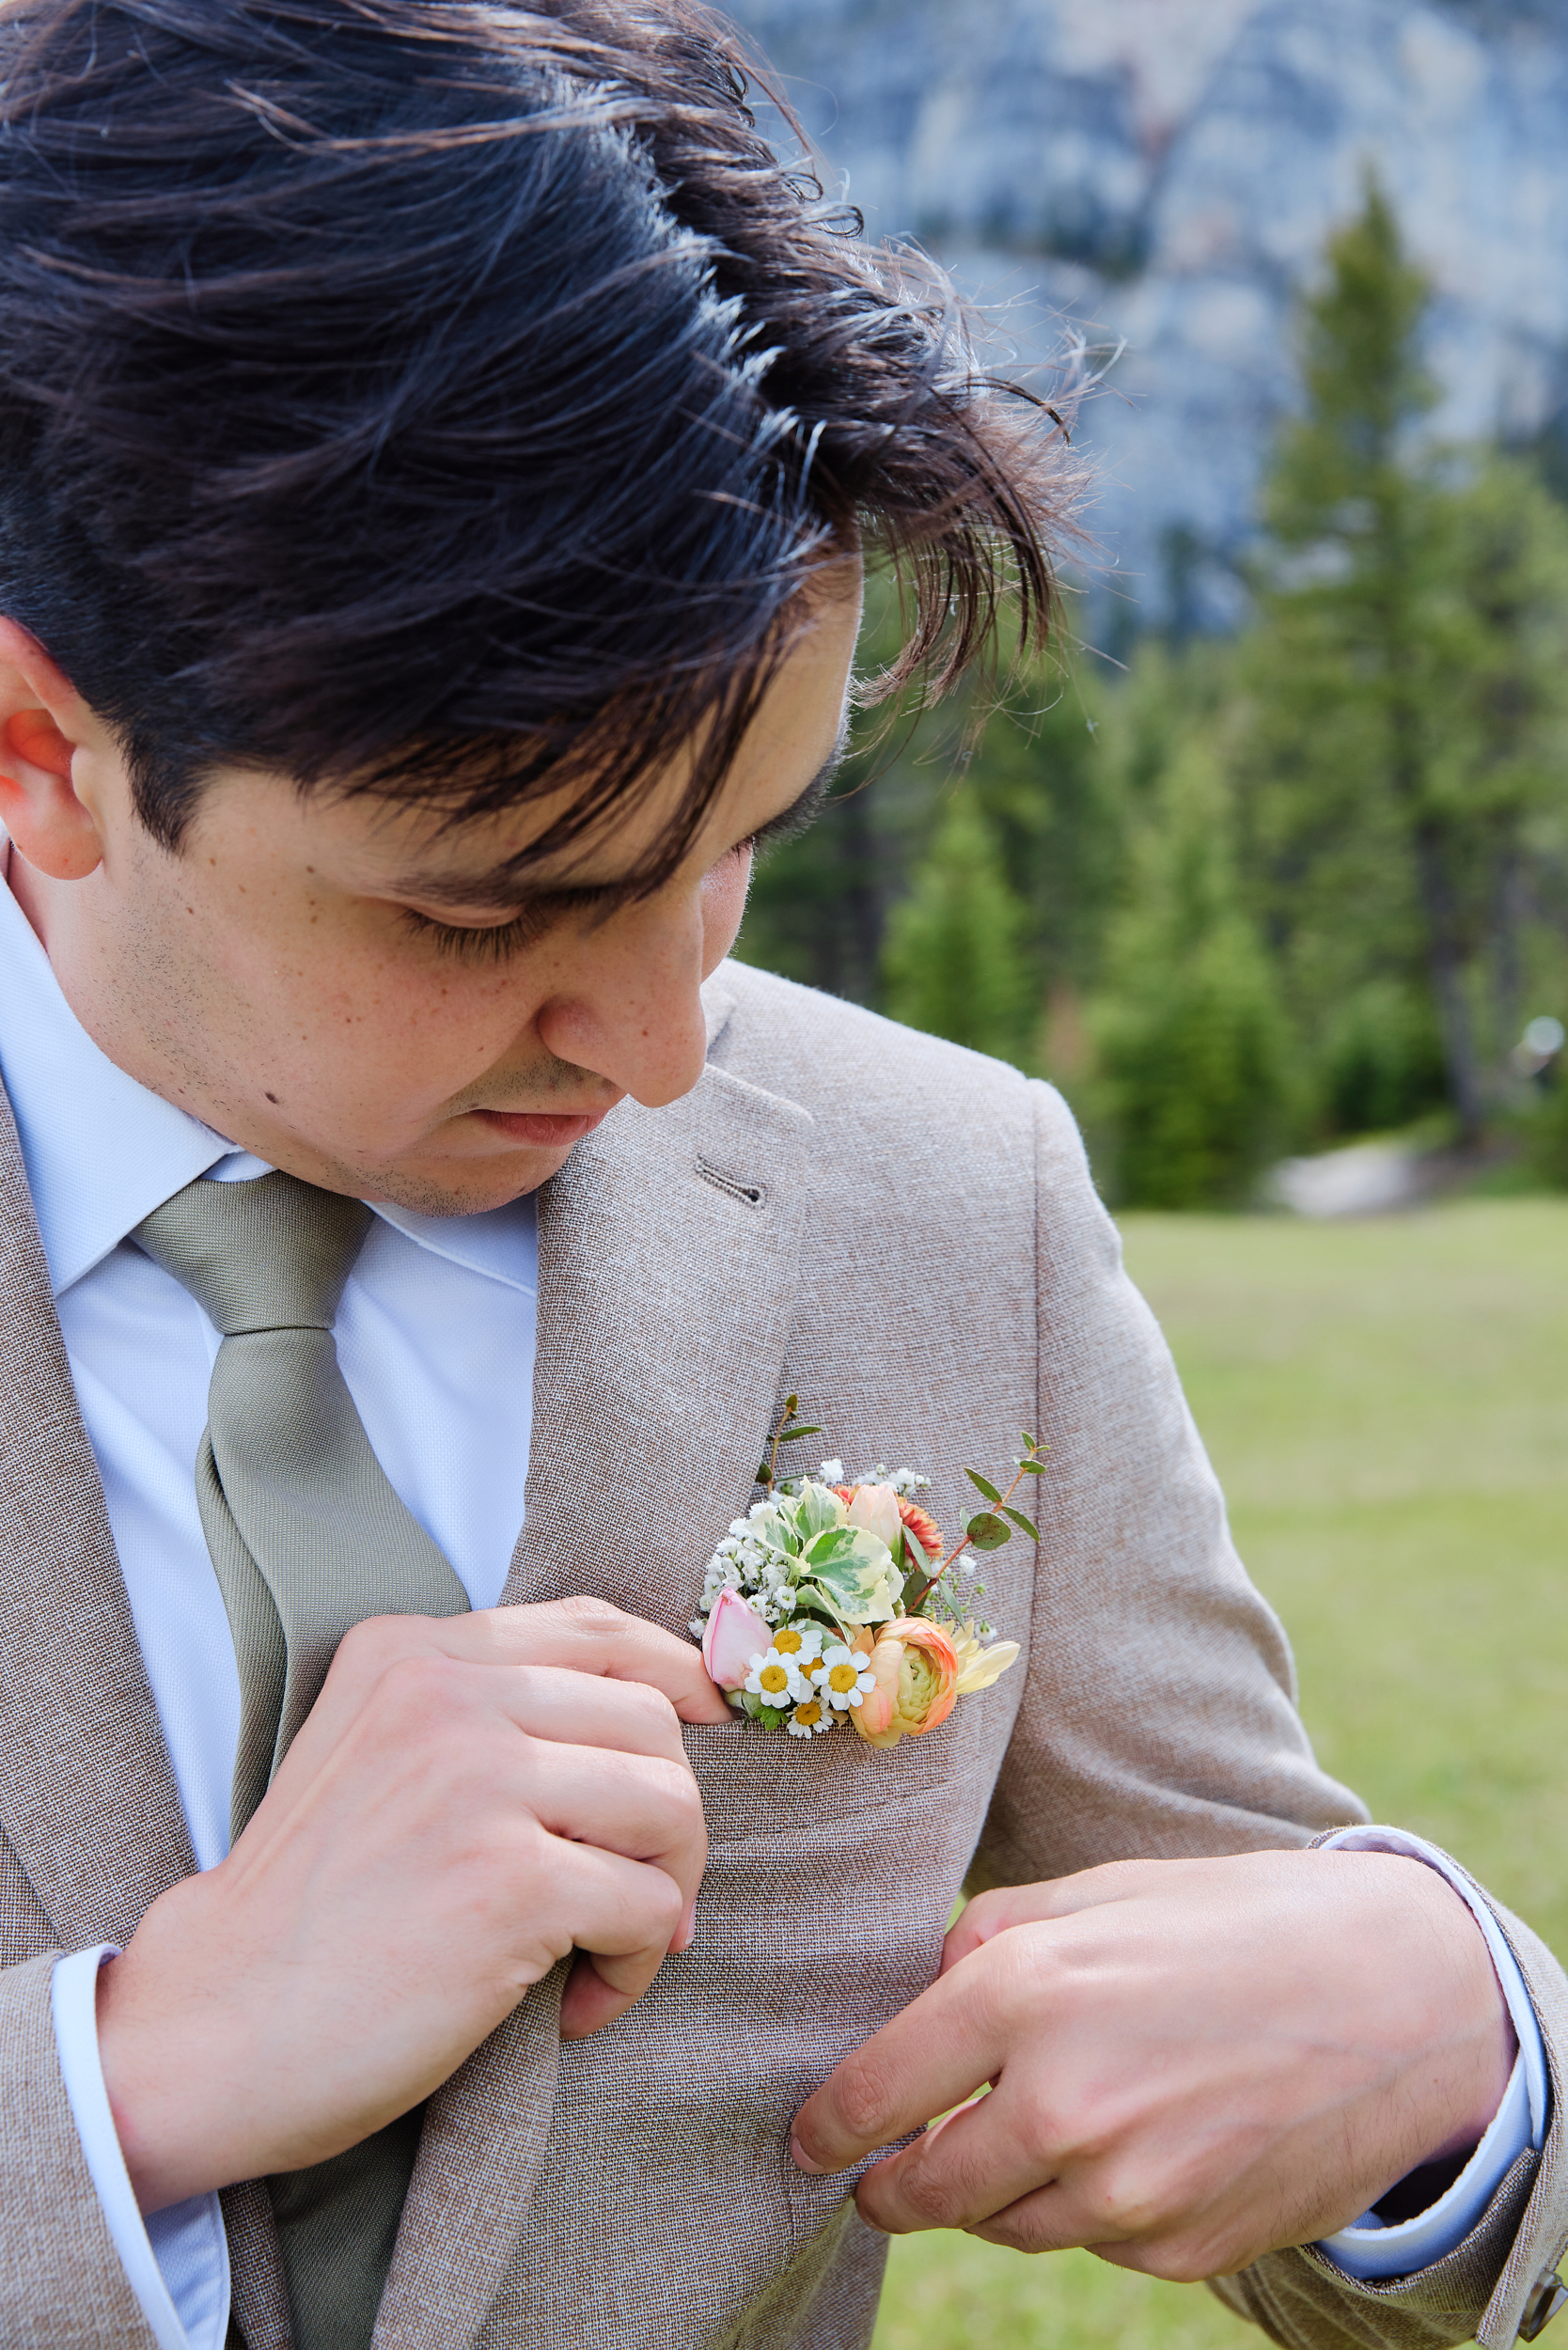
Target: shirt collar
[{"x": 102, "y": 1151}]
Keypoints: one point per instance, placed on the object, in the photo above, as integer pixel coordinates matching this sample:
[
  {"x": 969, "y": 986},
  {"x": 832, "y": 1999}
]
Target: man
[{"x": 435, "y": 448}]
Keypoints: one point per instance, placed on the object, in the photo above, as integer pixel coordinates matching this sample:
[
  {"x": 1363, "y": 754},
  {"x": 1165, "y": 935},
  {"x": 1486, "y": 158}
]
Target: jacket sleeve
[
  {"x": 61, "y": 2283},
  {"x": 1159, "y": 1714},
  {"x": 1159, "y": 1720},
  {"x": 1496, "y": 2285}
]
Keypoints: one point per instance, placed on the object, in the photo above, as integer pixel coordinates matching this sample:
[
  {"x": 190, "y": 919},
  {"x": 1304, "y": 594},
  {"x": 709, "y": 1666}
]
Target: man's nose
[{"x": 636, "y": 1018}]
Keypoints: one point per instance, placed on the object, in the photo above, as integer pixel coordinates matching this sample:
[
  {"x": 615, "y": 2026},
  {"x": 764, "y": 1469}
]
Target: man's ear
[{"x": 43, "y": 722}]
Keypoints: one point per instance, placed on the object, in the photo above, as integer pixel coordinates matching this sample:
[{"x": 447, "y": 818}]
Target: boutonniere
[{"x": 835, "y": 1599}]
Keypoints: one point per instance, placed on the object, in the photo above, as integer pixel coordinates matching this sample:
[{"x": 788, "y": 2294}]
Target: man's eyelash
[
  {"x": 792, "y": 822},
  {"x": 496, "y": 945}
]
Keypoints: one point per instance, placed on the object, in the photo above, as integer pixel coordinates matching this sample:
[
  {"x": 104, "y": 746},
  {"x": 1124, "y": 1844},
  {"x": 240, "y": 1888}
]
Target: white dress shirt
[{"x": 436, "y": 1335}]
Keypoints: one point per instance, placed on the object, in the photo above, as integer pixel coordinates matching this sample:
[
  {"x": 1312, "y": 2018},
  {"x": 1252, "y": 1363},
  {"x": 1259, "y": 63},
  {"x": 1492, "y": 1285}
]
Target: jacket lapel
[
  {"x": 87, "y": 1797},
  {"x": 668, "y": 1246},
  {"x": 668, "y": 1262},
  {"x": 87, "y": 1794}
]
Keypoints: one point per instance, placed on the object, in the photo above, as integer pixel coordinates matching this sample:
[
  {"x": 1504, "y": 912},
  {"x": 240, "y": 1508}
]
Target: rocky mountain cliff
[{"x": 1167, "y": 171}]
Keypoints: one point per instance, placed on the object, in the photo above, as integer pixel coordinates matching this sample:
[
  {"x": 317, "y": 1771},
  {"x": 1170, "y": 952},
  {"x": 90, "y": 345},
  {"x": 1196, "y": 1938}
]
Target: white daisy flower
[
  {"x": 841, "y": 1678},
  {"x": 809, "y": 1719},
  {"x": 801, "y": 1641},
  {"x": 776, "y": 1678}
]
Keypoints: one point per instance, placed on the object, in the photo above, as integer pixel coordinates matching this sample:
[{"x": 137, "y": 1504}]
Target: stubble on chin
[{"x": 473, "y": 1185}]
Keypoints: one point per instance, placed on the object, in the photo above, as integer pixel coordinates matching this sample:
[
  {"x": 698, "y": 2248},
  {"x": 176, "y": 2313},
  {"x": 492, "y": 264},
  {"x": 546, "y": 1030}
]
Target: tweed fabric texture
[
  {"x": 1289, "y": 2295},
  {"x": 87, "y": 1799},
  {"x": 906, "y": 1235},
  {"x": 61, "y": 2284}
]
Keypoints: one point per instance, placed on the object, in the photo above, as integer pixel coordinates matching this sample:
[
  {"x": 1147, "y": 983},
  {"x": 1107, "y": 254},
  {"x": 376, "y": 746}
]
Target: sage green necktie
[{"x": 307, "y": 1538}]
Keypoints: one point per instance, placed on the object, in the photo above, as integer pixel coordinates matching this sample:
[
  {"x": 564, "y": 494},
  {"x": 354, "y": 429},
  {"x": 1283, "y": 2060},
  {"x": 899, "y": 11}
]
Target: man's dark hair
[{"x": 456, "y": 401}]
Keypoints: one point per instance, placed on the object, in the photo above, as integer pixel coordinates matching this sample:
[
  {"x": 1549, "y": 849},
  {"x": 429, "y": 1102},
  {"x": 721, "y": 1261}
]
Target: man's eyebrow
[{"x": 499, "y": 890}]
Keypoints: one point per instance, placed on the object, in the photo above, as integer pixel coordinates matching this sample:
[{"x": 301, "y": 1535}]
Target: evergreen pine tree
[
  {"x": 1404, "y": 686},
  {"x": 953, "y": 961},
  {"x": 1192, "y": 1046}
]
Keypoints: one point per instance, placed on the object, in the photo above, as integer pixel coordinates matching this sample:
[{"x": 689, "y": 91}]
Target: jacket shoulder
[{"x": 833, "y": 1056}]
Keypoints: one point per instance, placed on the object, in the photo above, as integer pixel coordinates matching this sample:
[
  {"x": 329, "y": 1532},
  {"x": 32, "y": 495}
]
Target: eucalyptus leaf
[
  {"x": 1030, "y": 1444},
  {"x": 789, "y": 1435},
  {"x": 1026, "y": 1526},
  {"x": 792, "y": 1405},
  {"x": 1032, "y": 1468},
  {"x": 982, "y": 1484},
  {"x": 987, "y": 1531}
]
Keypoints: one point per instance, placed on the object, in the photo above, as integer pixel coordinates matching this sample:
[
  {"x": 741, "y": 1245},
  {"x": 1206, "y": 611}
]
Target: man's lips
[{"x": 545, "y": 1129}]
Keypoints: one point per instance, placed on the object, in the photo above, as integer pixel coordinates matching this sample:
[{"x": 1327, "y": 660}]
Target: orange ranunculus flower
[
  {"x": 919, "y": 1522},
  {"x": 914, "y": 1667},
  {"x": 924, "y": 1529}
]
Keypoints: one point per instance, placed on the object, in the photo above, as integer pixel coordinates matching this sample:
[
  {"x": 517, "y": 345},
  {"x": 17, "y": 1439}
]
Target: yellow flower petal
[{"x": 981, "y": 1667}]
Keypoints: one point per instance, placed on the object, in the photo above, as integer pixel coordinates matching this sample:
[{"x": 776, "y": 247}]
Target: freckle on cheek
[{"x": 272, "y": 1097}]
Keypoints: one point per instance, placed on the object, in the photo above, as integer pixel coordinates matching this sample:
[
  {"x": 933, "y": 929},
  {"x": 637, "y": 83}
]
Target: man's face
[{"x": 333, "y": 985}]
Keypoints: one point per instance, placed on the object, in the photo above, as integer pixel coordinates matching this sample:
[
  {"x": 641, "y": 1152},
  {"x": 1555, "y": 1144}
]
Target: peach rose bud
[
  {"x": 734, "y": 1635},
  {"x": 876, "y": 1708},
  {"x": 876, "y": 1507},
  {"x": 914, "y": 1667}
]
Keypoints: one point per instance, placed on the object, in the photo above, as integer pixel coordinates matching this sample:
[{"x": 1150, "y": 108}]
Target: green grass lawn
[{"x": 1387, "y": 1403}]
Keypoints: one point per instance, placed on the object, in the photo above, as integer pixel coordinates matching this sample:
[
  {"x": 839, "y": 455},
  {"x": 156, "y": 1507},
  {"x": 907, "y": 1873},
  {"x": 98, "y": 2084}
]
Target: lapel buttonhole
[{"x": 741, "y": 1187}]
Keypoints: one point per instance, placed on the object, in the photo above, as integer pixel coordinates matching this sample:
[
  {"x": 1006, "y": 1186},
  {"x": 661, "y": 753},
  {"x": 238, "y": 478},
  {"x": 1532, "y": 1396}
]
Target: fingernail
[{"x": 801, "y": 2159}]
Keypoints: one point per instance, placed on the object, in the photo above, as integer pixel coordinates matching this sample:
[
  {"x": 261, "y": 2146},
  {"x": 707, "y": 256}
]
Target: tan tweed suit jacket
[{"x": 907, "y": 1235}]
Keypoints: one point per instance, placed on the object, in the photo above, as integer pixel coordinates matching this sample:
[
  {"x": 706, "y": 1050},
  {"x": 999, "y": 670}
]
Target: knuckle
[
  {"x": 588, "y": 1614},
  {"x": 418, "y": 1692},
  {"x": 665, "y": 1905},
  {"x": 659, "y": 1715},
  {"x": 987, "y": 1913},
  {"x": 1128, "y": 2200},
  {"x": 864, "y": 2105},
  {"x": 1045, "y": 2136},
  {"x": 1018, "y": 2230},
  {"x": 932, "y": 2198},
  {"x": 1020, "y": 1972},
  {"x": 375, "y": 1644},
  {"x": 682, "y": 1798}
]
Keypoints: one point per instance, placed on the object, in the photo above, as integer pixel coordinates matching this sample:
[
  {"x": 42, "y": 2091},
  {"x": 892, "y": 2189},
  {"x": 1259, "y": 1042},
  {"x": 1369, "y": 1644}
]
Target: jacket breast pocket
[{"x": 757, "y": 1782}]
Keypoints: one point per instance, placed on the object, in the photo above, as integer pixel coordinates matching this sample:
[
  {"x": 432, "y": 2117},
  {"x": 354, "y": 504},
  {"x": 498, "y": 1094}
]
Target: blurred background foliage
[{"x": 1249, "y": 894}]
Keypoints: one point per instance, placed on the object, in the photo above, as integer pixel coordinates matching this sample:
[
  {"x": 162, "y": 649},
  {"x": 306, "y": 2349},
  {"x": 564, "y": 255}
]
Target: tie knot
[{"x": 270, "y": 1253}]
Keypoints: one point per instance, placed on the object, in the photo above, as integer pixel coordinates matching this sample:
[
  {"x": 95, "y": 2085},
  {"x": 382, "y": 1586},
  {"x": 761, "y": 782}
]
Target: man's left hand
[{"x": 1191, "y": 2063}]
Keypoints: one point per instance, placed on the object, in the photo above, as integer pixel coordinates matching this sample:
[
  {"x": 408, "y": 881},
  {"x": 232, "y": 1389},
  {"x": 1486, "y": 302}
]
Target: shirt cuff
[
  {"x": 176, "y": 2263},
  {"x": 1368, "y": 2250}
]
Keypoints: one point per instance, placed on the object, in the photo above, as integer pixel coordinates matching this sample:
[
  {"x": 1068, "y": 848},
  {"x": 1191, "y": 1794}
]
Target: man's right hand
[{"x": 470, "y": 1799}]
